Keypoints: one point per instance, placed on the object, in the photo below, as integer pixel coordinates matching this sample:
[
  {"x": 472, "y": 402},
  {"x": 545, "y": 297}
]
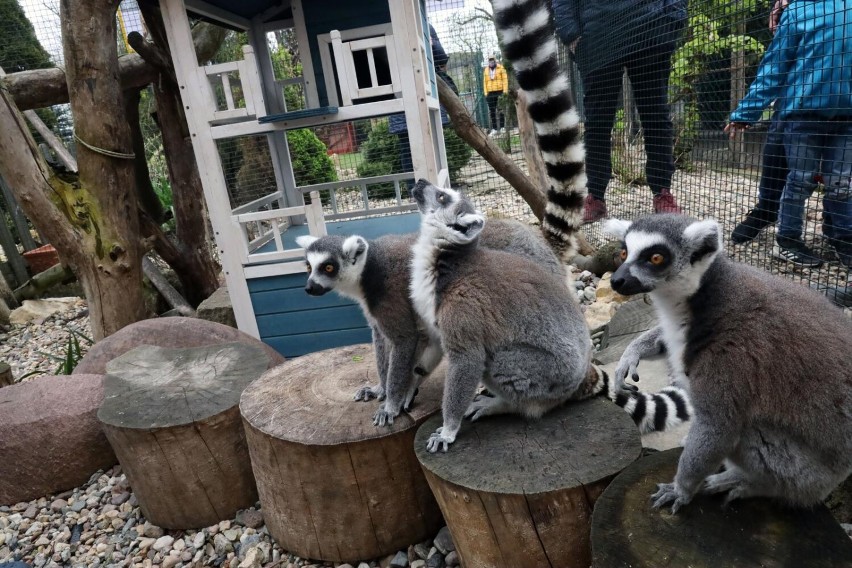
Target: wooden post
[
  {"x": 516, "y": 492},
  {"x": 16, "y": 261},
  {"x": 332, "y": 485},
  {"x": 172, "y": 417},
  {"x": 703, "y": 534},
  {"x": 18, "y": 217}
]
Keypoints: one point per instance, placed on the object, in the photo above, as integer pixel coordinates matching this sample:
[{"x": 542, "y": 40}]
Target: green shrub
[
  {"x": 458, "y": 152},
  {"x": 381, "y": 157},
  {"x": 309, "y": 156}
]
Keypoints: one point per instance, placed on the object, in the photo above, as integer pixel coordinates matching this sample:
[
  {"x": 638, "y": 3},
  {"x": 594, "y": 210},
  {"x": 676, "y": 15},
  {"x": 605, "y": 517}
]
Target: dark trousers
[
  {"x": 491, "y": 99},
  {"x": 773, "y": 173},
  {"x": 648, "y": 71}
]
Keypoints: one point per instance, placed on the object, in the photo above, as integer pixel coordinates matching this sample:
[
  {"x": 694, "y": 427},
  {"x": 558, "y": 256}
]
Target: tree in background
[{"x": 20, "y": 50}]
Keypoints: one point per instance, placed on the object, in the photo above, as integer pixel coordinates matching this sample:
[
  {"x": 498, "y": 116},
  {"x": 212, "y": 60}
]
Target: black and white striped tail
[
  {"x": 651, "y": 412},
  {"x": 530, "y": 43}
]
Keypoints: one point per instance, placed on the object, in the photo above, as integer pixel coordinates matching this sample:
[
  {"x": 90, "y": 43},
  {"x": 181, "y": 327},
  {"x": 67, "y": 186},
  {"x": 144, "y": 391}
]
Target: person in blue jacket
[
  {"x": 607, "y": 37},
  {"x": 808, "y": 69}
]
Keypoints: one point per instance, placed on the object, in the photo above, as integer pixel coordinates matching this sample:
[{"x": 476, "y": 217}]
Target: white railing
[
  {"x": 362, "y": 185},
  {"x": 246, "y": 72},
  {"x": 261, "y": 227},
  {"x": 281, "y": 87}
]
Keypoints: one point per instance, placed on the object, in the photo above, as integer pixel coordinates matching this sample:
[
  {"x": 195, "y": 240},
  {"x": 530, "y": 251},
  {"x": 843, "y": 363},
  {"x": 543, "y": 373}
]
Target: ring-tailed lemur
[
  {"x": 767, "y": 363},
  {"x": 506, "y": 321},
  {"x": 377, "y": 274}
]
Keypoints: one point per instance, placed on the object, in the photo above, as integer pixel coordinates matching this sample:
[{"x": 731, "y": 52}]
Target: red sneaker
[
  {"x": 594, "y": 209},
  {"x": 665, "y": 203}
]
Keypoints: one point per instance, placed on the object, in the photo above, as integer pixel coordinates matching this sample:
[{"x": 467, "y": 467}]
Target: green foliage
[
  {"x": 458, "y": 152},
  {"x": 380, "y": 158},
  {"x": 311, "y": 163},
  {"x": 20, "y": 50},
  {"x": 73, "y": 354}
]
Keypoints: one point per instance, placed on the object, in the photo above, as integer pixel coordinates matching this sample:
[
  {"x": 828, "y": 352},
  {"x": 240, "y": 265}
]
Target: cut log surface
[
  {"x": 627, "y": 532},
  {"x": 172, "y": 417},
  {"x": 333, "y": 486},
  {"x": 518, "y": 492}
]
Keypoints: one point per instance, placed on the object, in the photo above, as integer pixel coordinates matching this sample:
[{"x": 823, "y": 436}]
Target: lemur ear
[
  {"x": 616, "y": 227},
  {"x": 472, "y": 223},
  {"x": 354, "y": 247},
  {"x": 704, "y": 237},
  {"x": 306, "y": 241}
]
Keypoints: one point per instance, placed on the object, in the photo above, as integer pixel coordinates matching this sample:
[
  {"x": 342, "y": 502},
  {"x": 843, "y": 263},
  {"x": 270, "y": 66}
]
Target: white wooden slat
[
  {"x": 271, "y": 214},
  {"x": 343, "y": 62},
  {"x": 288, "y": 254},
  {"x": 276, "y": 269},
  {"x": 229, "y": 96},
  {"x": 301, "y": 29},
  {"x": 371, "y": 63},
  {"x": 258, "y": 203},
  {"x": 217, "y": 68}
]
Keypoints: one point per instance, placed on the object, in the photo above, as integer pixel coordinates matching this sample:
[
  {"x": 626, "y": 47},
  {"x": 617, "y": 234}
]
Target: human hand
[
  {"x": 732, "y": 128},
  {"x": 775, "y": 14}
]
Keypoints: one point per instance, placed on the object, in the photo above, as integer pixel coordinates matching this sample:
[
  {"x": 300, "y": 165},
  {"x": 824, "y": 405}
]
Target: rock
[
  {"x": 363, "y": 565},
  {"x": 198, "y": 540},
  {"x": 30, "y": 512},
  {"x": 218, "y": 308},
  {"x": 32, "y": 310},
  {"x": 444, "y": 541},
  {"x": 58, "y": 505},
  {"x": 164, "y": 543},
  {"x": 50, "y": 437},
  {"x": 422, "y": 550},
  {"x": 252, "y": 559},
  {"x": 599, "y": 314},
  {"x": 152, "y": 531},
  {"x": 400, "y": 560},
  {"x": 452, "y": 559},
  {"x": 170, "y": 561},
  {"x": 222, "y": 545},
  {"x": 418, "y": 564},
  {"x": 78, "y": 505},
  {"x": 250, "y": 518},
  {"x": 174, "y": 332},
  {"x": 435, "y": 561},
  {"x": 232, "y": 534},
  {"x": 120, "y": 498},
  {"x": 846, "y": 526},
  {"x": 589, "y": 293},
  {"x": 145, "y": 543}
]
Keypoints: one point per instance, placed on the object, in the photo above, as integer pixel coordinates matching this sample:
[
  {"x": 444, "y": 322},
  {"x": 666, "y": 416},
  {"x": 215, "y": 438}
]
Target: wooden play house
[{"x": 363, "y": 59}]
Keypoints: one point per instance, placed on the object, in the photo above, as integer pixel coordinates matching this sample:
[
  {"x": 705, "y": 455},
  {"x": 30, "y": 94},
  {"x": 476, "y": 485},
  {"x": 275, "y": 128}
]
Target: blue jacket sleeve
[
  {"x": 438, "y": 54},
  {"x": 566, "y": 18},
  {"x": 772, "y": 75}
]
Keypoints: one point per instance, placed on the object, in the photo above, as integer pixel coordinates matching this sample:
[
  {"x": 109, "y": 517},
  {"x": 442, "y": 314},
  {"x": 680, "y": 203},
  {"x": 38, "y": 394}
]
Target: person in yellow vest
[{"x": 495, "y": 83}]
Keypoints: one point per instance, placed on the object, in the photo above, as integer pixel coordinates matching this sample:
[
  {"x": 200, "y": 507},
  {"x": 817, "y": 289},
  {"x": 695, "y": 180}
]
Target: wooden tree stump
[
  {"x": 332, "y": 485},
  {"x": 516, "y": 492},
  {"x": 6, "y": 378},
  {"x": 172, "y": 418},
  {"x": 626, "y": 531}
]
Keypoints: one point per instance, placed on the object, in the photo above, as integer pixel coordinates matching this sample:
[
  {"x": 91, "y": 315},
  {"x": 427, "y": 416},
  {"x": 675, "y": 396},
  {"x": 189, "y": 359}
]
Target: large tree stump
[
  {"x": 516, "y": 492},
  {"x": 333, "y": 486},
  {"x": 172, "y": 417},
  {"x": 626, "y": 531}
]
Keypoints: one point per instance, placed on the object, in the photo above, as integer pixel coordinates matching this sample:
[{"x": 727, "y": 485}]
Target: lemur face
[
  {"x": 659, "y": 251},
  {"x": 333, "y": 263},
  {"x": 447, "y": 214}
]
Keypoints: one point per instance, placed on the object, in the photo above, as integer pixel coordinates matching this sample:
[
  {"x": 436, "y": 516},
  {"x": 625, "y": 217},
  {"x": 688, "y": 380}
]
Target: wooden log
[
  {"x": 516, "y": 492},
  {"x": 172, "y": 417},
  {"x": 332, "y": 485},
  {"x": 626, "y": 531}
]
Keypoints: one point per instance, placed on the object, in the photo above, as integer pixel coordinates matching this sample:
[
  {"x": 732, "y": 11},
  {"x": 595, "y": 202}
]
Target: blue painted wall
[
  {"x": 322, "y": 16},
  {"x": 294, "y": 323}
]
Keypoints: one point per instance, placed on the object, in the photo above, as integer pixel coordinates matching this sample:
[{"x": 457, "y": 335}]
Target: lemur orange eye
[
  {"x": 657, "y": 259},
  {"x": 623, "y": 254},
  {"x": 329, "y": 268}
]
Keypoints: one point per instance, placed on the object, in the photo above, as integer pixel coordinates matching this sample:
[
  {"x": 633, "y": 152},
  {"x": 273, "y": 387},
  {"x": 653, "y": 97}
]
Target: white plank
[{"x": 305, "y": 53}]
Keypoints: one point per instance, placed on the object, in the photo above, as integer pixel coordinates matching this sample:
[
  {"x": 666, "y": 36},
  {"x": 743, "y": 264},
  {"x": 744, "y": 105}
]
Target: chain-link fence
[{"x": 628, "y": 86}]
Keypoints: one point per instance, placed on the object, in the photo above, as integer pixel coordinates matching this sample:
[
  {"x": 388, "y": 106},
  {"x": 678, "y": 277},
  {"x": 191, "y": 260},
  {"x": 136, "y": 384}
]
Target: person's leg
[
  {"x": 491, "y": 100},
  {"x": 837, "y": 201},
  {"x": 773, "y": 176},
  {"x": 803, "y": 144},
  {"x": 649, "y": 72},
  {"x": 600, "y": 99}
]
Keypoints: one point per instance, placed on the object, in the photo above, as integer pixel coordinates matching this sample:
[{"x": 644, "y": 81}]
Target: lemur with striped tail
[{"x": 502, "y": 319}]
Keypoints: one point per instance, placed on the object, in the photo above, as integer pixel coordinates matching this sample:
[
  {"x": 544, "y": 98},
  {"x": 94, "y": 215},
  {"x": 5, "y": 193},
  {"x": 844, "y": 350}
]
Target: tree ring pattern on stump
[
  {"x": 309, "y": 400},
  {"x": 579, "y": 443},
  {"x": 156, "y": 387}
]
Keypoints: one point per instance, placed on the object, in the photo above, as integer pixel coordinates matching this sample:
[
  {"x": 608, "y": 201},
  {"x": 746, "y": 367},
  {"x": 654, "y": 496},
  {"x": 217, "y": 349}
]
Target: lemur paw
[
  {"x": 384, "y": 417},
  {"x": 369, "y": 393},
  {"x": 439, "y": 440},
  {"x": 669, "y": 493},
  {"x": 479, "y": 408}
]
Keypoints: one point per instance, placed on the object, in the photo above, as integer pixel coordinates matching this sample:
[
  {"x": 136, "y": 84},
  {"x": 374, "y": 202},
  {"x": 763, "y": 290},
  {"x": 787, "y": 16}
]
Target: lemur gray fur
[
  {"x": 377, "y": 274},
  {"x": 766, "y": 361},
  {"x": 508, "y": 322}
]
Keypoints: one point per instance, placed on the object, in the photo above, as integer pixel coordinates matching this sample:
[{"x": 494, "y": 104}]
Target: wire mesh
[{"x": 708, "y": 70}]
